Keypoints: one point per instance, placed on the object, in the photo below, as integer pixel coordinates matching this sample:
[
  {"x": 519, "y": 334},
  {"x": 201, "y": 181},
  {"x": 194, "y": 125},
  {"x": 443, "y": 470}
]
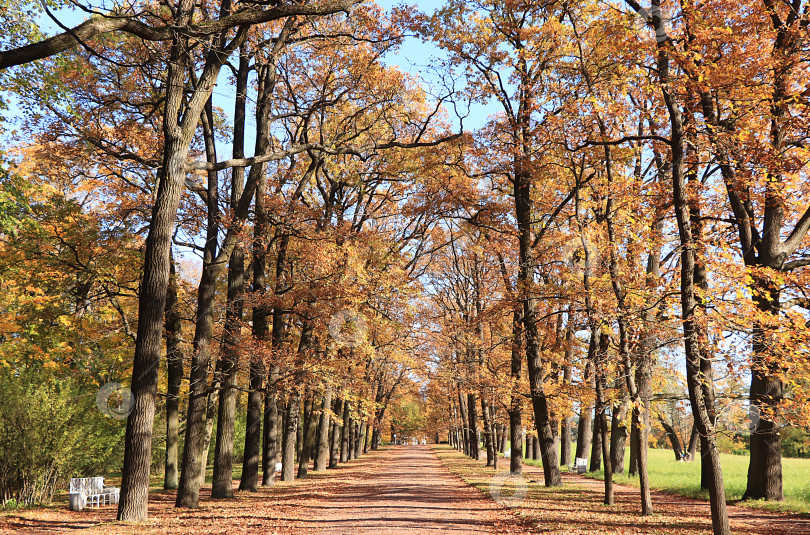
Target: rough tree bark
[
  {"x": 344, "y": 434},
  {"x": 152, "y": 300},
  {"x": 672, "y": 435},
  {"x": 565, "y": 424},
  {"x": 465, "y": 422},
  {"x": 323, "y": 431},
  {"x": 618, "y": 436},
  {"x": 585, "y": 424},
  {"x": 293, "y": 409},
  {"x": 601, "y": 406},
  {"x": 689, "y": 303},
  {"x": 222, "y": 483},
  {"x": 174, "y": 365},
  {"x": 260, "y": 327},
  {"x": 194, "y": 448},
  {"x": 334, "y": 442},
  {"x": 306, "y": 442},
  {"x": 515, "y": 405},
  {"x": 472, "y": 413},
  {"x": 489, "y": 441}
]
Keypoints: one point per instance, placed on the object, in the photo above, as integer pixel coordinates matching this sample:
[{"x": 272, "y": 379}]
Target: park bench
[
  {"x": 580, "y": 465},
  {"x": 90, "y": 492}
]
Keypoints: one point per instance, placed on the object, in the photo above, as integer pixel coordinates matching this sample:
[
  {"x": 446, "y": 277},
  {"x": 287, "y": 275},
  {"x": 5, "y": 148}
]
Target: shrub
[{"x": 51, "y": 430}]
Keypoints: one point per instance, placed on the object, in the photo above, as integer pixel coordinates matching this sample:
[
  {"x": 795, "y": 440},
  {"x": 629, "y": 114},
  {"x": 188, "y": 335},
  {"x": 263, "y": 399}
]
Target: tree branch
[{"x": 99, "y": 26}]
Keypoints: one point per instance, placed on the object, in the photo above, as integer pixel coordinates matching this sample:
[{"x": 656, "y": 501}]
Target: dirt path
[
  {"x": 409, "y": 492},
  {"x": 403, "y": 489}
]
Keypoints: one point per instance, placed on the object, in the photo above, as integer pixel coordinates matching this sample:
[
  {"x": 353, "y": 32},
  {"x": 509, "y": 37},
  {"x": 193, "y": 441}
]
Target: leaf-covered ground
[
  {"x": 394, "y": 490},
  {"x": 412, "y": 490},
  {"x": 577, "y": 506}
]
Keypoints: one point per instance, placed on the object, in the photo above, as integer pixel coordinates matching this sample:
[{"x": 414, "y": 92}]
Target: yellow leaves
[{"x": 7, "y": 325}]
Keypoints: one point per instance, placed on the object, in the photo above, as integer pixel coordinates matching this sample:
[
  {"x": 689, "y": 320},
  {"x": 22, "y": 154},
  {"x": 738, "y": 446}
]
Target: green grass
[{"x": 683, "y": 478}]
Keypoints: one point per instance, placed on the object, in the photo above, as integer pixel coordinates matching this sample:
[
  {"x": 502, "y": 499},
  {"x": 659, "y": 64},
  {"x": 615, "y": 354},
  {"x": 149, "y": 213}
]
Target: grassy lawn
[{"x": 683, "y": 478}]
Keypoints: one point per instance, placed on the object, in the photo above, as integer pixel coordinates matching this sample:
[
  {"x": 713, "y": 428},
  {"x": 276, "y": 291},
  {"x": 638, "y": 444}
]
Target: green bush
[
  {"x": 795, "y": 442},
  {"x": 50, "y": 431}
]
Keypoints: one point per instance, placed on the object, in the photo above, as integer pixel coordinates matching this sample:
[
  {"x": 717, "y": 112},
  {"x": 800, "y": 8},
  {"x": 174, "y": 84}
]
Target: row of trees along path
[{"x": 632, "y": 220}]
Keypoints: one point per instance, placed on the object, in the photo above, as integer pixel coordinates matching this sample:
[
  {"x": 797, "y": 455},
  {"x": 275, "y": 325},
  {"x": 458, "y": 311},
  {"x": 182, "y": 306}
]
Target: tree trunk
[
  {"x": 585, "y": 424},
  {"x": 358, "y": 445},
  {"x": 584, "y": 436},
  {"x": 492, "y": 436},
  {"x": 489, "y": 441},
  {"x": 351, "y": 436},
  {"x": 260, "y": 328},
  {"x": 367, "y": 433},
  {"x": 292, "y": 414},
  {"x": 334, "y": 442},
  {"x": 249, "y": 480},
  {"x": 618, "y": 436},
  {"x": 523, "y": 214},
  {"x": 601, "y": 405},
  {"x": 689, "y": 304},
  {"x": 472, "y": 412},
  {"x": 691, "y": 451},
  {"x": 516, "y": 447},
  {"x": 632, "y": 468},
  {"x": 596, "y": 446},
  {"x": 323, "y": 431},
  {"x": 344, "y": 434},
  {"x": 222, "y": 483},
  {"x": 376, "y": 437},
  {"x": 674, "y": 440},
  {"x": 565, "y": 425},
  {"x": 274, "y": 432},
  {"x": 465, "y": 434},
  {"x": 178, "y": 134},
  {"x": 271, "y": 430},
  {"x": 210, "y": 415},
  {"x": 765, "y": 465},
  {"x": 174, "y": 365},
  {"x": 641, "y": 419},
  {"x": 306, "y": 436},
  {"x": 302, "y": 421},
  {"x": 193, "y": 466},
  {"x": 515, "y": 402}
]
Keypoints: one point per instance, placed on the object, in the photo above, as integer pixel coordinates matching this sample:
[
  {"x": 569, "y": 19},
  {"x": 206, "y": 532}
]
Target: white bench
[
  {"x": 91, "y": 492},
  {"x": 580, "y": 465}
]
